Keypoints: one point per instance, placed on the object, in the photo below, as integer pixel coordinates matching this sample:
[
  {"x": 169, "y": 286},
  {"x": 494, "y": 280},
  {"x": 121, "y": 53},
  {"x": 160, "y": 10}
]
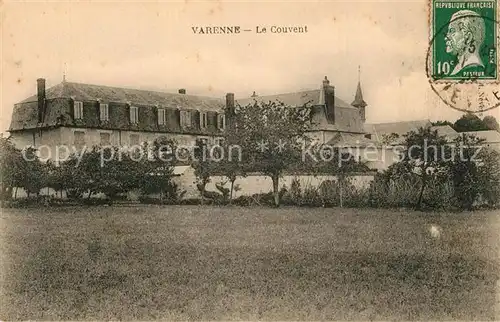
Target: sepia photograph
[{"x": 257, "y": 161}]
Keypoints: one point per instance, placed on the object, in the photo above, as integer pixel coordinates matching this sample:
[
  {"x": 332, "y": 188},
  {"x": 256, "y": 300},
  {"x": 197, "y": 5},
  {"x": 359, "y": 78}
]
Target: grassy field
[{"x": 189, "y": 262}]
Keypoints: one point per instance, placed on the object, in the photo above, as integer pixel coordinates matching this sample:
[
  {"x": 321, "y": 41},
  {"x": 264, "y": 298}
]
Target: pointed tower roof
[
  {"x": 359, "y": 102},
  {"x": 358, "y": 98}
]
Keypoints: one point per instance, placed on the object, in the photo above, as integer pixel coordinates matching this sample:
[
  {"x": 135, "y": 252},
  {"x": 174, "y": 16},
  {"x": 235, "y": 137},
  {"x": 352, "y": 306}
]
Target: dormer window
[
  {"x": 221, "y": 121},
  {"x": 78, "y": 110},
  {"x": 103, "y": 112},
  {"x": 162, "y": 119},
  {"x": 203, "y": 120},
  {"x": 185, "y": 118},
  {"x": 134, "y": 115}
]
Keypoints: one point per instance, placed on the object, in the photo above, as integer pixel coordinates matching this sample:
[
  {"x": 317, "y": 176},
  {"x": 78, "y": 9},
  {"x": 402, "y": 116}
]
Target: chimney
[
  {"x": 230, "y": 103},
  {"x": 329, "y": 92},
  {"x": 41, "y": 98},
  {"x": 182, "y": 91}
]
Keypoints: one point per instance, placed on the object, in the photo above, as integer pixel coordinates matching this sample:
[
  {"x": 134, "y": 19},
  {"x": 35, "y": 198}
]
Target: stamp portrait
[{"x": 464, "y": 44}]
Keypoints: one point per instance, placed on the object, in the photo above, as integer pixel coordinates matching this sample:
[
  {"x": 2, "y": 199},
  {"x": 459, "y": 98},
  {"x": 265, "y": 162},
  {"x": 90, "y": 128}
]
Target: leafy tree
[
  {"x": 271, "y": 136},
  {"x": 203, "y": 166},
  {"x": 491, "y": 123},
  {"x": 388, "y": 139},
  {"x": 80, "y": 173},
  {"x": 464, "y": 170},
  {"x": 121, "y": 173},
  {"x": 475, "y": 171},
  {"x": 34, "y": 176},
  {"x": 426, "y": 153},
  {"x": 469, "y": 122},
  {"x": 20, "y": 169},
  {"x": 55, "y": 177},
  {"x": 441, "y": 123},
  {"x": 158, "y": 178},
  {"x": 12, "y": 167},
  {"x": 229, "y": 162}
]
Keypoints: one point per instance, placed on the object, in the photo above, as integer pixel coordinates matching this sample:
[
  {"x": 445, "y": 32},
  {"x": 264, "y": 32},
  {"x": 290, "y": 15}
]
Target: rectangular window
[
  {"x": 219, "y": 141},
  {"x": 203, "y": 141},
  {"x": 78, "y": 110},
  {"x": 105, "y": 138},
  {"x": 134, "y": 139},
  {"x": 161, "y": 116},
  {"x": 79, "y": 139},
  {"x": 185, "y": 118},
  {"x": 134, "y": 114},
  {"x": 221, "y": 121},
  {"x": 203, "y": 120},
  {"x": 104, "y": 112}
]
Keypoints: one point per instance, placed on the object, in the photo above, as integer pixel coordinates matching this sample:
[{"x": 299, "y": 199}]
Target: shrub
[
  {"x": 196, "y": 201},
  {"x": 243, "y": 201},
  {"x": 389, "y": 190},
  {"x": 310, "y": 197},
  {"x": 329, "y": 193}
]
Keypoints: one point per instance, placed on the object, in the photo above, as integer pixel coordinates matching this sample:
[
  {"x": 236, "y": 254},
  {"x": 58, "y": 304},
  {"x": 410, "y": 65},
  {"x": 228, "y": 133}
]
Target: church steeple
[{"x": 359, "y": 102}]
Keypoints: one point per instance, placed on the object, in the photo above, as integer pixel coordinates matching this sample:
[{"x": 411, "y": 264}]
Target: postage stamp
[
  {"x": 464, "y": 40},
  {"x": 462, "y": 58}
]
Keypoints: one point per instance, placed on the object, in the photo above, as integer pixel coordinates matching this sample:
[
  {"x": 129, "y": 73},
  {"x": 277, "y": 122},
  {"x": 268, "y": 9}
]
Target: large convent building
[{"x": 74, "y": 114}]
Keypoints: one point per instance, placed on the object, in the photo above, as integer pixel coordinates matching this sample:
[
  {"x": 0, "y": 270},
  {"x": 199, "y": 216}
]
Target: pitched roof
[
  {"x": 490, "y": 136},
  {"x": 445, "y": 130},
  {"x": 346, "y": 118},
  {"x": 378, "y": 130},
  {"x": 89, "y": 92},
  {"x": 58, "y": 110},
  {"x": 312, "y": 97},
  {"x": 351, "y": 140},
  {"x": 358, "y": 98}
]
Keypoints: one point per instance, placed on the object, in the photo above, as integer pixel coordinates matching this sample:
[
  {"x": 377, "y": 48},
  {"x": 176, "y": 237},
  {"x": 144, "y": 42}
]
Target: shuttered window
[
  {"x": 221, "y": 121},
  {"x": 103, "y": 112},
  {"x": 79, "y": 139},
  {"x": 78, "y": 110},
  {"x": 134, "y": 139},
  {"x": 105, "y": 138},
  {"x": 161, "y": 116},
  {"x": 134, "y": 114},
  {"x": 203, "y": 120},
  {"x": 185, "y": 118}
]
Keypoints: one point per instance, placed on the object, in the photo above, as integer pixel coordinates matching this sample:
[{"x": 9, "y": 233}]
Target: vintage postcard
[{"x": 238, "y": 160}]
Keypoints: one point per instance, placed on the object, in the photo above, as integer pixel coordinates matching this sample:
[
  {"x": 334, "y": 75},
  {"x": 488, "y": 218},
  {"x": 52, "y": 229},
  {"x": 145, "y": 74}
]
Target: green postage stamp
[{"x": 464, "y": 40}]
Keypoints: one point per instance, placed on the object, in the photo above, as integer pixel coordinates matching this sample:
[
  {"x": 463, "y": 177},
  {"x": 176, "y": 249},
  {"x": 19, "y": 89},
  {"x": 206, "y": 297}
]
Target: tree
[
  {"x": 426, "y": 153},
  {"x": 120, "y": 173},
  {"x": 469, "y": 122},
  {"x": 158, "y": 178},
  {"x": 20, "y": 169},
  {"x": 491, "y": 123},
  {"x": 203, "y": 166},
  {"x": 489, "y": 175},
  {"x": 12, "y": 168},
  {"x": 475, "y": 172},
  {"x": 442, "y": 123},
  {"x": 464, "y": 170},
  {"x": 34, "y": 176},
  {"x": 271, "y": 136},
  {"x": 230, "y": 162}
]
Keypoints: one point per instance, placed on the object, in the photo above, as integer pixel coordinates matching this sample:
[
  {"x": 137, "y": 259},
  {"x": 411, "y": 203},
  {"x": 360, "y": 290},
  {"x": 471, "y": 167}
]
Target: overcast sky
[{"x": 152, "y": 46}]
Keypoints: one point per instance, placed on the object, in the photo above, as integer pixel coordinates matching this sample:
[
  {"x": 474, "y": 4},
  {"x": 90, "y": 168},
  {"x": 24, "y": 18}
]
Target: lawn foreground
[{"x": 190, "y": 262}]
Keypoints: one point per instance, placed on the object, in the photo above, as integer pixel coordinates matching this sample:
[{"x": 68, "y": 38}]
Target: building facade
[
  {"x": 62, "y": 119},
  {"x": 77, "y": 115}
]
